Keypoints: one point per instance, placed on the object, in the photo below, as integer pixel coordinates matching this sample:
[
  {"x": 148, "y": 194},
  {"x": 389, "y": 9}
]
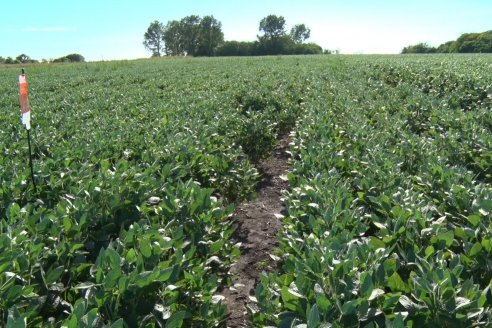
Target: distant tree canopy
[
  {"x": 466, "y": 43},
  {"x": 419, "y": 48},
  {"x": 72, "y": 58},
  {"x": 21, "y": 59},
  {"x": 196, "y": 36},
  {"x": 300, "y": 33},
  {"x": 153, "y": 38},
  {"x": 192, "y": 35},
  {"x": 25, "y": 59}
]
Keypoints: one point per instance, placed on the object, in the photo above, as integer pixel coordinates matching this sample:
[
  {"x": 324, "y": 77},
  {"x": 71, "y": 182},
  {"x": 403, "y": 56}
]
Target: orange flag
[{"x": 24, "y": 102}]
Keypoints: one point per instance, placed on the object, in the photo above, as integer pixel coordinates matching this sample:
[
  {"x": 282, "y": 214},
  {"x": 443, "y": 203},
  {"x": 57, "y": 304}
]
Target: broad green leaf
[
  {"x": 376, "y": 243},
  {"x": 54, "y": 274},
  {"x": 67, "y": 224},
  {"x": 429, "y": 251},
  {"x": 396, "y": 284},
  {"x": 145, "y": 248},
  {"x": 118, "y": 324},
  {"x": 91, "y": 318},
  {"x": 15, "y": 319},
  {"x": 313, "y": 319},
  {"x": 112, "y": 278},
  {"x": 216, "y": 246},
  {"x": 323, "y": 303},
  {"x": 290, "y": 298},
  {"x": 13, "y": 211},
  {"x": 349, "y": 307},
  {"x": 14, "y": 293},
  {"x": 486, "y": 243},
  {"x": 474, "y": 219},
  {"x": 176, "y": 319},
  {"x": 165, "y": 274},
  {"x": 477, "y": 247},
  {"x": 131, "y": 256},
  {"x": 72, "y": 322},
  {"x": 447, "y": 237},
  {"x": 113, "y": 257},
  {"x": 366, "y": 284}
]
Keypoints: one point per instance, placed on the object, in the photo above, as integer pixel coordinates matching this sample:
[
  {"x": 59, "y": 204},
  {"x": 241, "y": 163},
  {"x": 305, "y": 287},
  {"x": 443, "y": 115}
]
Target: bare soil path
[{"x": 257, "y": 227}]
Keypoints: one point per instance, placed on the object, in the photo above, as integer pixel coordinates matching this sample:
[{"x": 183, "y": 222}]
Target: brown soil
[{"x": 257, "y": 227}]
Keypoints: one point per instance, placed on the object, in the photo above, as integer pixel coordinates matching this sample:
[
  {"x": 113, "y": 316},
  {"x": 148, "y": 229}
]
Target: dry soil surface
[{"x": 257, "y": 224}]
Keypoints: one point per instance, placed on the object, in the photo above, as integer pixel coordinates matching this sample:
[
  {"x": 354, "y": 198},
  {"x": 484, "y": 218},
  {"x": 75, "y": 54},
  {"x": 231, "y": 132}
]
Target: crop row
[
  {"x": 137, "y": 166},
  {"x": 390, "y": 204}
]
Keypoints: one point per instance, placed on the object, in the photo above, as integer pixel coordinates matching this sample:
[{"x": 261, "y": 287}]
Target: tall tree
[
  {"x": 273, "y": 26},
  {"x": 300, "y": 33},
  {"x": 153, "y": 38},
  {"x": 274, "y": 40},
  {"x": 193, "y": 36},
  {"x": 173, "y": 39},
  {"x": 23, "y": 58},
  {"x": 190, "y": 30},
  {"x": 210, "y": 36}
]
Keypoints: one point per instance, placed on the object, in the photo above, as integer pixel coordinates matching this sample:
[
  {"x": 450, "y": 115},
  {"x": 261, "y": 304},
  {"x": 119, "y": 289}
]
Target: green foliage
[
  {"x": 210, "y": 36},
  {"x": 21, "y": 59},
  {"x": 389, "y": 203},
  {"x": 137, "y": 177},
  {"x": 153, "y": 38},
  {"x": 196, "y": 36},
  {"x": 420, "y": 48},
  {"x": 300, "y": 33},
  {"x": 237, "y": 48},
  {"x": 389, "y": 206},
  {"x": 275, "y": 40},
  {"x": 193, "y": 35},
  {"x": 273, "y": 27},
  {"x": 72, "y": 58},
  {"x": 24, "y": 59},
  {"x": 306, "y": 49},
  {"x": 466, "y": 43}
]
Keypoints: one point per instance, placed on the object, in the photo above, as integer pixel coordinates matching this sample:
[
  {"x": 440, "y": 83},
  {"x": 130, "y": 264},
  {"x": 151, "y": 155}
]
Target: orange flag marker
[{"x": 24, "y": 101}]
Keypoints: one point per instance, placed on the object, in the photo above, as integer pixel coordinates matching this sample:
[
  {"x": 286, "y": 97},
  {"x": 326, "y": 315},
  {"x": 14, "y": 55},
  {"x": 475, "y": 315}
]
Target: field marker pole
[
  {"x": 30, "y": 161},
  {"x": 26, "y": 119}
]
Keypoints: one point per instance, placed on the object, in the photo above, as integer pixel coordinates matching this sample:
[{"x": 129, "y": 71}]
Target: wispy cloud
[{"x": 46, "y": 29}]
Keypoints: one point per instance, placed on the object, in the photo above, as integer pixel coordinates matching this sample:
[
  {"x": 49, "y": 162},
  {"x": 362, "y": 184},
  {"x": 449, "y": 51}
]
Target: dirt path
[{"x": 257, "y": 227}]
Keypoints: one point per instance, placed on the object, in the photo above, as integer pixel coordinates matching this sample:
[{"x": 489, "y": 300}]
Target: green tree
[
  {"x": 466, "y": 43},
  {"x": 419, "y": 48},
  {"x": 23, "y": 58},
  {"x": 210, "y": 36},
  {"x": 274, "y": 40},
  {"x": 173, "y": 39},
  {"x": 273, "y": 27},
  {"x": 448, "y": 47},
  {"x": 307, "y": 49},
  {"x": 237, "y": 48},
  {"x": 190, "y": 32},
  {"x": 75, "y": 58},
  {"x": 300, "y": 33},
  {"x": 72, "y": 58},
  {"x": 153, "y": 38},
  {"x": 193, "y": 36}
]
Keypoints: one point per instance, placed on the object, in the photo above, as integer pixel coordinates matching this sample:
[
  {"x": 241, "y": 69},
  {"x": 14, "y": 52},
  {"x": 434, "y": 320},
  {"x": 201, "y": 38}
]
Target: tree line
[
  {"x": 25, "y": 59},
  {"x": 466, "y": 43},
  {"x": 196, "y": 36}
]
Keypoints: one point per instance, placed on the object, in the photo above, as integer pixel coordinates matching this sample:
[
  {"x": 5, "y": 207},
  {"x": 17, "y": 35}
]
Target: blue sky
[{"x": 111, "y": 29}]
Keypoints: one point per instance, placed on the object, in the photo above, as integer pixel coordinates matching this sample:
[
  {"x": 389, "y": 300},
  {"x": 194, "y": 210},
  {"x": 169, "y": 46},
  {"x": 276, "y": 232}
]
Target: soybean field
[{"x": 140, "y": 165}]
